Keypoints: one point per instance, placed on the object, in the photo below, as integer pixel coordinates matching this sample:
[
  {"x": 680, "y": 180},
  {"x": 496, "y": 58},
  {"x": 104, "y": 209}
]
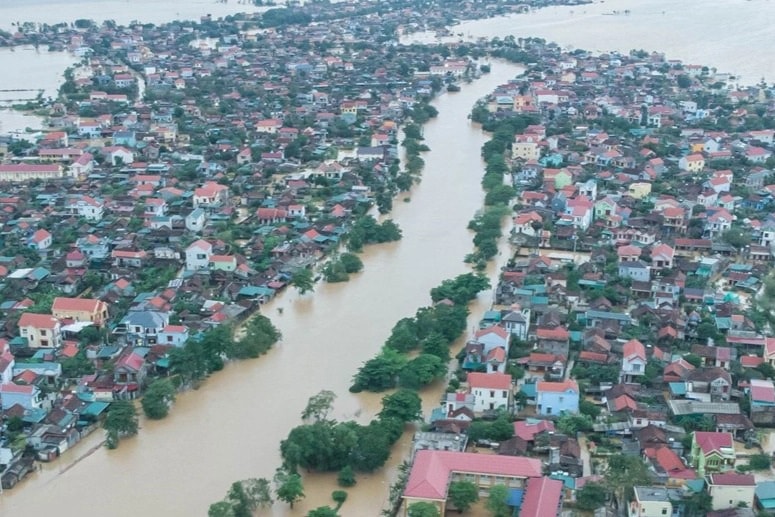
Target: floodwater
[{"x": 232, "y": 426}]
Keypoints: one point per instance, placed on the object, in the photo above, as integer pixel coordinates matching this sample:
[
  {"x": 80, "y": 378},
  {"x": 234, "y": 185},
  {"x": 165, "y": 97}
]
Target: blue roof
[
  {"x": 765, "y": 493},
  {"x": 678, "y": 388},
  {"x": 530, "y": 389},
  {"x": 515, "y": 497}
]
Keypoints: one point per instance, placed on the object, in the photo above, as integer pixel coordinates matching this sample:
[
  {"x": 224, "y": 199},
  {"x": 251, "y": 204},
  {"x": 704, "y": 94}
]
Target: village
[
  {"x": 190, "y": 173},
  {"x": 626, "y": 365}
]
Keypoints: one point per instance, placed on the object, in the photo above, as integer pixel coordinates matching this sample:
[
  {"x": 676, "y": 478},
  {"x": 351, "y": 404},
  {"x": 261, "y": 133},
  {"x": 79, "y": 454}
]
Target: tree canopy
[
  {"x": 288, "y": 486},
  {"x": 158, "y": 398},
  {"x": 462, "y": 494},
  {"x": 120, "y": 421}
]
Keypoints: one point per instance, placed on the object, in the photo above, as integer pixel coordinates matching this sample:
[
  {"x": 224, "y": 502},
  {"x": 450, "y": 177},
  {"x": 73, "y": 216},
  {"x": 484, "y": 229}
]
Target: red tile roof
[
  {"x": 40, "y": 321},
  {"x": 542, "y": 498},
  {"x": 570, "y": 384},
  {"x": 634, "y": 348},
  {"x": 762, "y": 391},
  {"x": 556, "y": 334},
  {"x": 495, "y": 329},
  {"x": 431, "y": 470},
  {"x": 732, "y": 479},
  {"x": 76, "y": 304},
  {"x": 527, "y": 430},
  {"x": 710, "y": 441},
  {"x": 490, "y": 381}
]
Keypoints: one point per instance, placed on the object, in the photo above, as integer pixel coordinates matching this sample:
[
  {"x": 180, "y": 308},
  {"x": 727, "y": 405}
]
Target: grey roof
[
  {"x": 692, "y": 407},
  {"x": 146, "y": 319}
]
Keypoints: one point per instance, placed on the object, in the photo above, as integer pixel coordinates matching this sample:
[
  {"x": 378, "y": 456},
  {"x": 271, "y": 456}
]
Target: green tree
[
  {"x": 589, "y": 409},
  {"x": 421, "y": 371},
  {"x": 372, "y": 446},
  {"x": 423, "y": 509},
  {"x": 404, "y": 405},
  {"x": 572, "y": 424},
  {"x": 120, "y": 421},
  {"x": 221, "y": 509},
  {"x": 698, "y": 504},
  {"x": 288, "y": 487},
  {"x": 351, "y": 262},
  {"x": 260, "y": 335},
  {"x": 339, "y": 497},
  {"x": 322, "y": 511},
  {"x": 303, "y": 281},
  {"x": 498, "y": 501},
  {"x": 323, "y": 445},
  {"x": 462, "y": 289},
  {"x": 346, "y": 477},
  {"x": 158, "y": 398},
  {"x": 623, "y": 473},
  {"x": 591, "y": 497},
  {"x": 318, "y": 406},
  {"x": 462, "y": 495},
  {"x": 379, "y": 373}
]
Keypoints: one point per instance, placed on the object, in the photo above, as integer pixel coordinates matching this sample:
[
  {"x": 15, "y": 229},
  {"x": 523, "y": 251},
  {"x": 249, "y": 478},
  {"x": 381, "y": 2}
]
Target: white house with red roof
[
  {"x": 41, "y": 240},
  {"x": 662, "y": 256},
  {"x": 633, "y": 361},
  {"x": 491, "y": 391},
  {"x": 175, "y": 335},
  {"x": 198, "y": 255},
  {"x": 433, "y": 471},
  {"x": 557, "y": 398},
  {"x": 211, "y": 194},
  {"x": 40, "y": 330},
  {"x": 85, "y": 206},
  {"x": 731, "y": 490}
]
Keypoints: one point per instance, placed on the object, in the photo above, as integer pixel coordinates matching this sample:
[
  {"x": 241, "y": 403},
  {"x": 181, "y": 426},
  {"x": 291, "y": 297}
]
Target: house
[
  {"x": 40, "y": 240},
  {"x": 210, "y": 195},
  {"x": 636, "y": 270},
  {"x": 556, "y": 398},
  {"x": 731, "y": 490},
  {"x": 662, "y": 256},
  {"x": 633, "y": 361},
  {"x": 762, "y": 398},
  {"x": 196, "y": 220},
  {"x": 80, "y": 309},
  {"x": 130, "y": 370},
  {"x": 27, "y": 396},
  {"x": 86, "y": 207},
  {"x": 517, "y": 322},
  {"x": 129, "y": 258},
  {"x": 143, "y": 327},
  {"x": 95, "y": 248},
  {"x": 712, "y": 452},
  {"x": 23, "y": 172},
  {"x": 692, "y": 163},
  {"x": 654, "y": 501},
  {"x": 40, "y": 330},
  {"x": 198, "y": 255},
  {"x": 432, "y": 471},
  {"x": 543, "y": 498},
  {"x": 492, "y": 391},
  {"x": 492, "y": 337}
]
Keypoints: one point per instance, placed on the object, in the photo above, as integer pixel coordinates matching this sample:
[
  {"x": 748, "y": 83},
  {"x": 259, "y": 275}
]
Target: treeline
[
  {"x": 339, "y": 268},
  {"x": 486, "y": 225},
  {"x": 431, "y": 331},
  {"x": 282, "y": 16},
  {"x": 366, "y": 230},
  {"x": 207, "y": 352}
]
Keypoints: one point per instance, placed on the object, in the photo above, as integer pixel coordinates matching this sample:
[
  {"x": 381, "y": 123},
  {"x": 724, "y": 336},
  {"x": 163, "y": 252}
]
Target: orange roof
[
  {"x": 76, "y": 304},
  {"x": 41, "y": 321},
  {"x": 558, "y": 387},
  {"x": 494, "y": 381},
  {"x": 634, "y": 348}
]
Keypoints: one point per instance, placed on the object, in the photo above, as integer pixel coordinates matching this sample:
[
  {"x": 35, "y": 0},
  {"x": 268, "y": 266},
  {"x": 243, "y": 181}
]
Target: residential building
[
  {"x": 731, "y": 490},
  {"x": 492, "y": 391},
  {"x": 654, "y": 501},
  {"x": 557, "y": 398},
  {"x": 712, "y": 452},
  {"x": 633, "y": 361},
  {"x": 198, "y": 255},
  {"x": 80, "y": 310},
  {"x": 432, "y": 471},
  {"x": 40, "y": 330},
  {"x": 27, "y": 396}
]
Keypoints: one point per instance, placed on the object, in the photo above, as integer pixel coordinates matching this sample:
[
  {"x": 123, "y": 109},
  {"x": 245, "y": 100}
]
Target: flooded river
[{"x": 231, "y": 427}]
